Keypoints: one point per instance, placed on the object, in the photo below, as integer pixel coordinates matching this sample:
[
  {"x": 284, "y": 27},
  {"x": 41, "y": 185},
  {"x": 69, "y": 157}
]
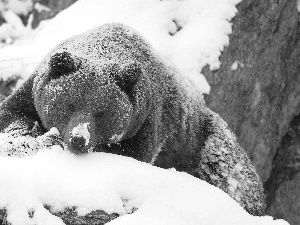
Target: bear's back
[{"x": 110, "y": 42}]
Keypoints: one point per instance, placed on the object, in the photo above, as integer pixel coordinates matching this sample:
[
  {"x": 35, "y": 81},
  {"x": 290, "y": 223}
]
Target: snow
[
  {"x": 82, "y": 130},
  {"x": 190, "y": 33},
  {"x": 18, "y": 147},
  {"x": 53, "y": 131},
  {"x": 116, "y": 138},
  {"x": 236, "y": 64},
  {"x": 12, "y": 144},
  {"x": 13, "y": 28},
  {"x": 19, "y": 7},
  {"x": 40, "y": 8},
  {"x": 115, "y": 184}
]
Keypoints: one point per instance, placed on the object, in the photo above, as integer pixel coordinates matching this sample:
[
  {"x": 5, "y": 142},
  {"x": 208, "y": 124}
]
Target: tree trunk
[{"x": 257, "y": 88}]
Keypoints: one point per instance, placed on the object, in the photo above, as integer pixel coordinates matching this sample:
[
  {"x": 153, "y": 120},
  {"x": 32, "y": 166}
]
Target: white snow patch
[
  {"x": 13, "y": 28},
  {"x": 115, "y": 184},
  {"x": 232, "y": 182},
  {"x": 40, "y": 8},
  {"x": 17, "y": 147},
  {"x": 190, "y": 33},
  {"x": 19, "y": 7},
  {"x": 236, "y": 64},
  {"x": 53, "y": 131},
  {"x": 82, "y": 130},
  {"x": 116, "y": 137}
]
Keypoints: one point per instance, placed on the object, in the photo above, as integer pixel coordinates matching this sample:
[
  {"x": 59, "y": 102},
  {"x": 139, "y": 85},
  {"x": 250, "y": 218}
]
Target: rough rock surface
[
  {"x": 70, "y": 217},
  {"x": 260, "y": 98},
  {"x": 283, "y": 185},
  {"x": 257, "y": 92},
  {"x": 286, "y": 202},
  {"x": 58, "y": 6},
  {"x": 54, "y": 5}
]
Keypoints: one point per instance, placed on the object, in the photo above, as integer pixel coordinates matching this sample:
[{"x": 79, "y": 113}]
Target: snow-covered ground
[
  {"x": 191, "y": 34},
  {"x": 13, "y": 28},
  {"x": 115, "y": 184}
]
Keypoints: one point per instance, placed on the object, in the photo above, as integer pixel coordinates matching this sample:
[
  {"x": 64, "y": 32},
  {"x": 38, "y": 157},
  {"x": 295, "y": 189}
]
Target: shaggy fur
[{"x": 133, "y": 103}]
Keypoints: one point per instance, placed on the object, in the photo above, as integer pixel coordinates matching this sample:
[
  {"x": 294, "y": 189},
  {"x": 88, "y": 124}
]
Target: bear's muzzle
[
  {"x": 78, "y": 134},
  {"x": 78, "y": 144}
]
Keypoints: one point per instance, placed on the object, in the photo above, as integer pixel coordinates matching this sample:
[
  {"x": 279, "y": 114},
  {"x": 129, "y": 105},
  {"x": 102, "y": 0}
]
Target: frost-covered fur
[{"x": 110, "y": 84}]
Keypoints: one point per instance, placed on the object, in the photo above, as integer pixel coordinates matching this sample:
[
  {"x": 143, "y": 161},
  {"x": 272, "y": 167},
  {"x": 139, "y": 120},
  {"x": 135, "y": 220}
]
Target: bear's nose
[{"x": 78, "y": 144}]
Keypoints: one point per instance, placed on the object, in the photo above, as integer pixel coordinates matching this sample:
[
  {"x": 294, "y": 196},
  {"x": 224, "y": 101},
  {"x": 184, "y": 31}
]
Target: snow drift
[
  {"x": 190, "y": 33},
  {"x": 115, "y": 184}
]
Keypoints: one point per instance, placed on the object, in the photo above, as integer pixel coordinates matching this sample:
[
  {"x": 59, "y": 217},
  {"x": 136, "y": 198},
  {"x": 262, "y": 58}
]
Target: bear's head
[{"x": 91, "y": 102}]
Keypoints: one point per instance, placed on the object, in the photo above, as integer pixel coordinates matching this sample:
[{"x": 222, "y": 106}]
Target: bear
[{"x": 108, "y": 90}]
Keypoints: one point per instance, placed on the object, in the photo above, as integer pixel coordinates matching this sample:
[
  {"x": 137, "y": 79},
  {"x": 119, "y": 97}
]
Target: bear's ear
[
  {"x": 62, "y": 63},
  {"x": 127, "y": 79}
]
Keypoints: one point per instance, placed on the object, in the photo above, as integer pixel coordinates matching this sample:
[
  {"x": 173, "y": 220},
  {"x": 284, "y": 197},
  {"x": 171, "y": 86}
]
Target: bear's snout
[
  {"x": 79, "y": 134},
  {"x": 78, "y": 144},
  {"x": 80, "y": 138}
]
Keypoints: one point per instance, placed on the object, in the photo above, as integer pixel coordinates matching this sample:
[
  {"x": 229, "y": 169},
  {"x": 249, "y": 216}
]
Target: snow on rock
[
  {"x": 13, "y": 28},
  {"x": 17, "y": 147},
  {"x": 236, "y": 64},
  {"x": 115, "y": 184},
  {"x": 19, "y": 7},
  {"x": 116, "y": 138},
  {"x": 190, "y": 33},
  {"x": 14, "y": 145},
  {"x": 53, "y": 131}
]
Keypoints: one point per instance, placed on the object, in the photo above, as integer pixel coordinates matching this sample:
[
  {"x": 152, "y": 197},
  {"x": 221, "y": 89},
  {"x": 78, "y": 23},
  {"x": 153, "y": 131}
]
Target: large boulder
[
  {"x": 260, "y": 97},
  {"x": 283, "y": 185},
  {"x": 257, "y": 92}
]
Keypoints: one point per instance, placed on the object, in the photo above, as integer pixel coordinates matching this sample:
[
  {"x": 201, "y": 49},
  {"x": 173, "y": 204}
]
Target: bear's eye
[{"x": 71, "y": 108}]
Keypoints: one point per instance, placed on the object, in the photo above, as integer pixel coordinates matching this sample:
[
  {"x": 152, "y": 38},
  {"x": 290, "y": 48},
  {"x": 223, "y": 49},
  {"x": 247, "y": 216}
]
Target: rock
[
  {"x": 99, "y": 217},
  {"x": 257, "y": 92},
  {"x": 286, "y": 201},
  {"x": 57, "y": 6},
  {"x": 41, "y": 13},
  {"x": 283, "y": 185},
  {"x": 70, "y": 217},
  {"x": 260, "y": 97},
  {"x": 53, "y": 7}
]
